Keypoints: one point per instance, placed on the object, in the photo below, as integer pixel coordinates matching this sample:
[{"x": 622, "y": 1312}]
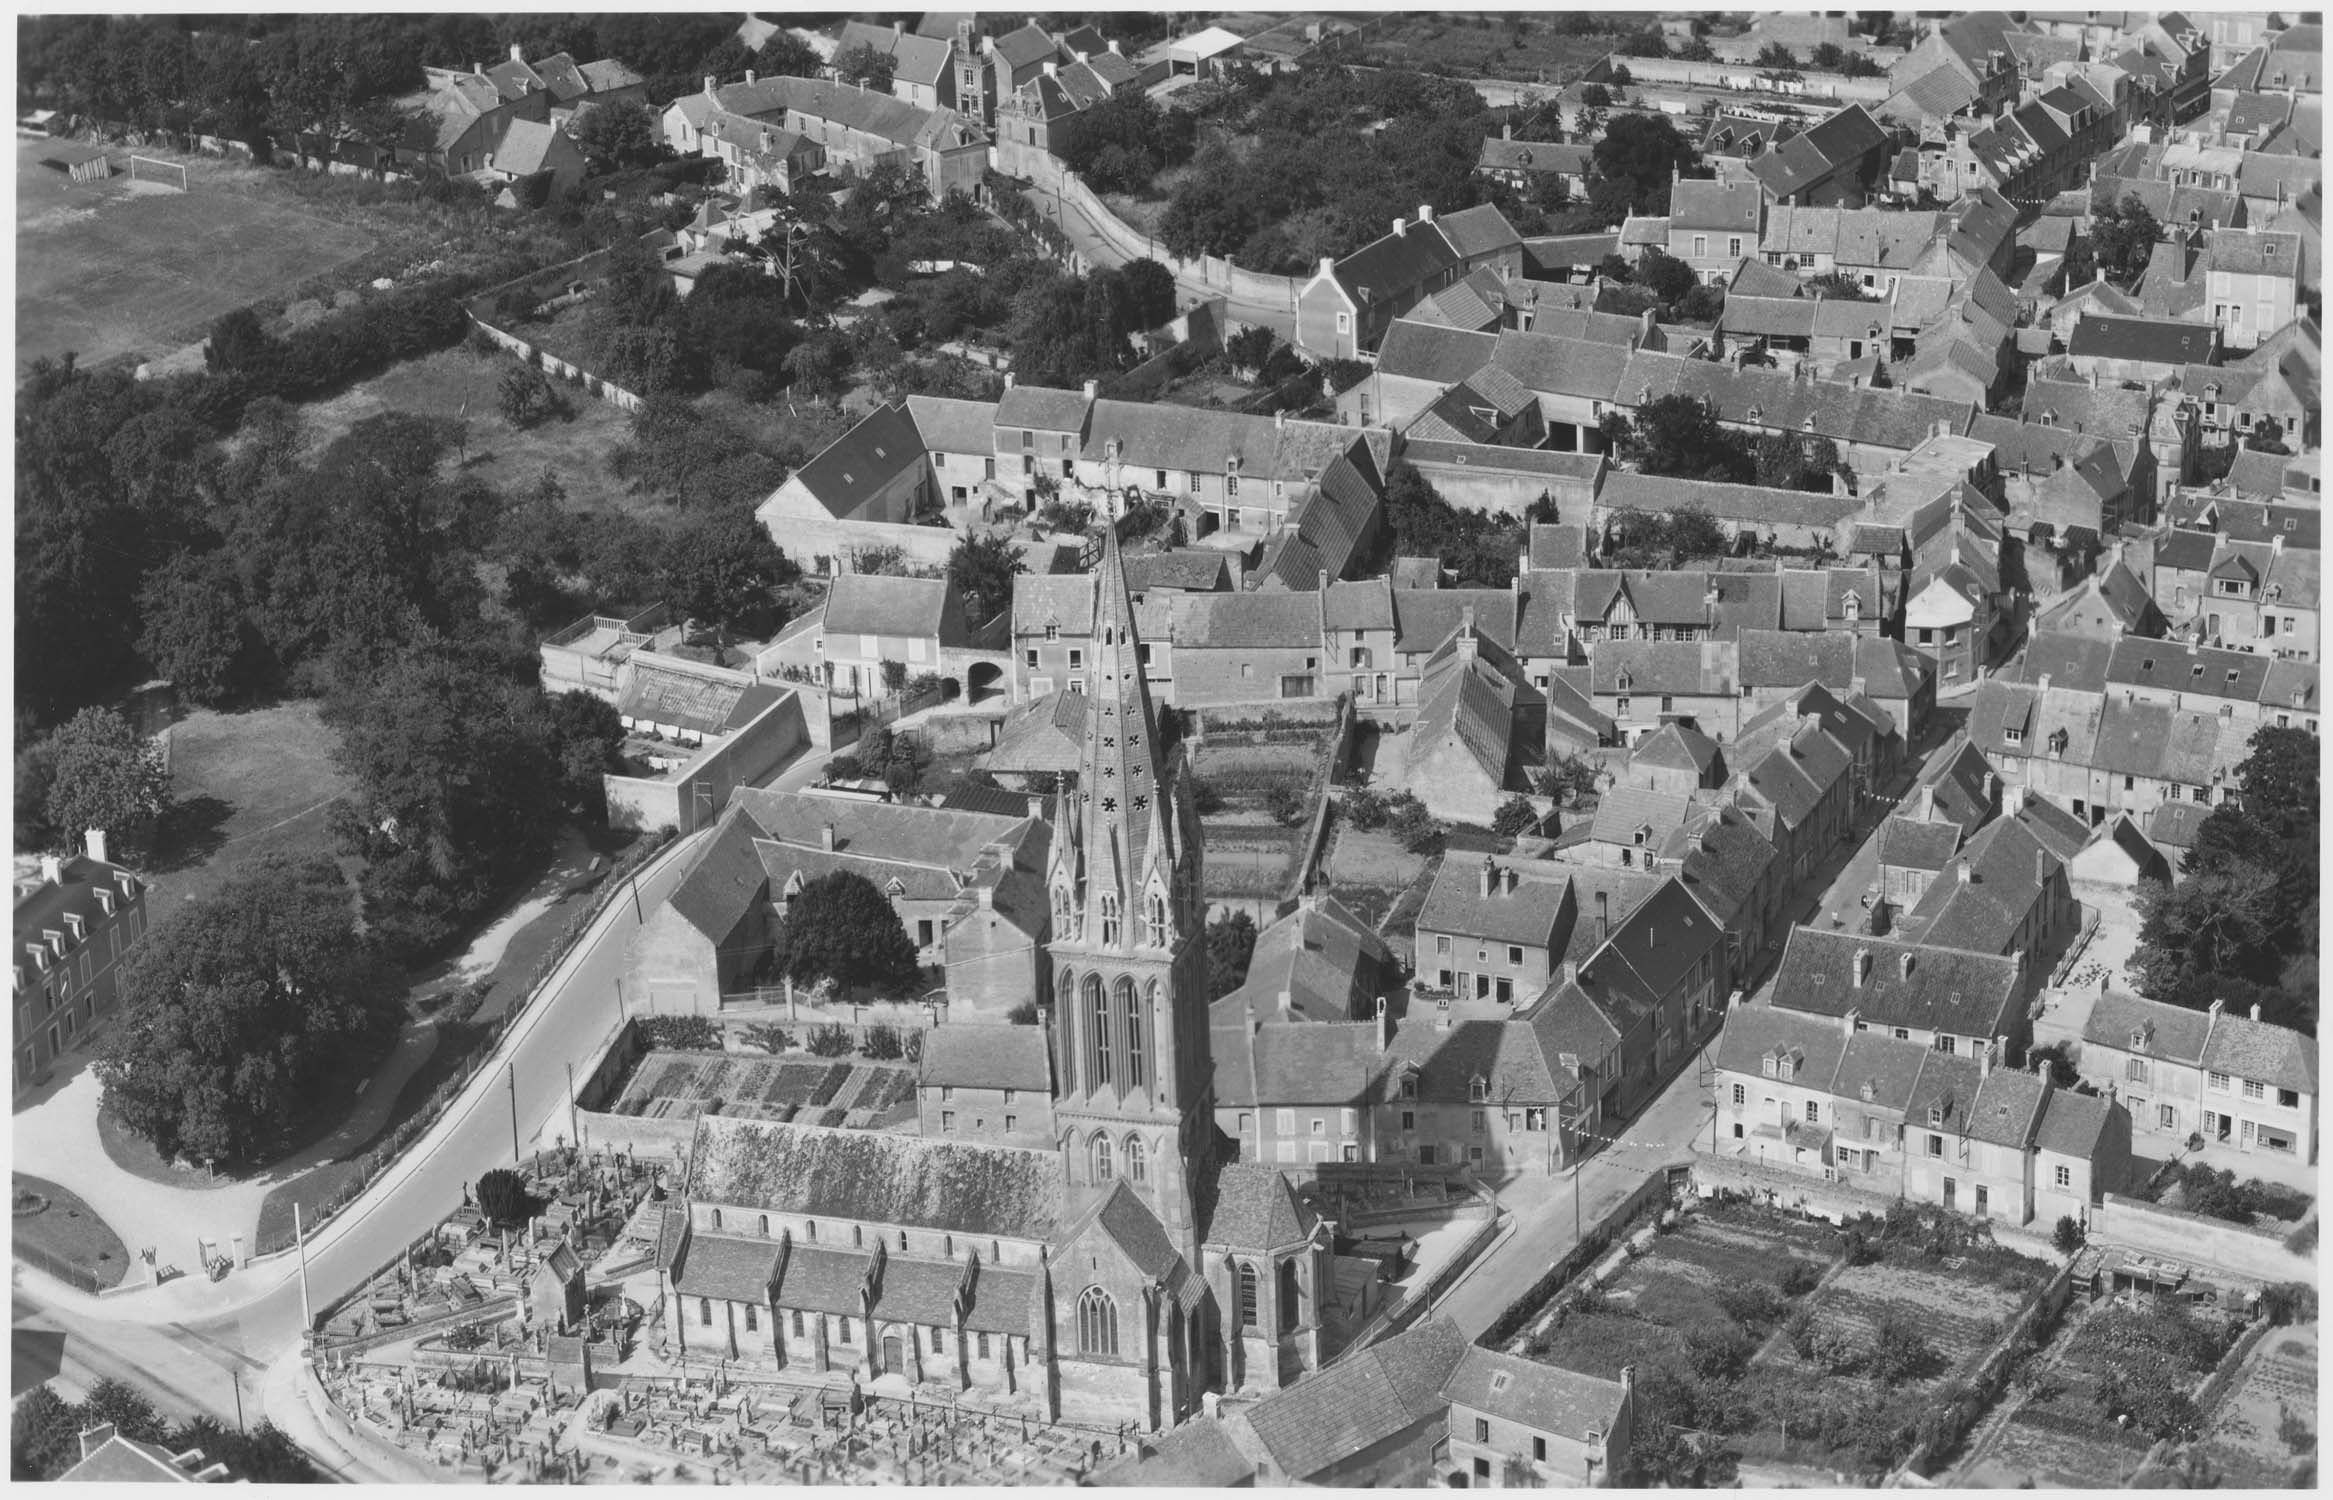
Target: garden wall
[
  {"x": 1209, "y": 273},
  {"x": 693, "y": 797},
  {"x": 388, "y": 1457},
  {"x": 1746, "y": 78},
  {"x": 636, "y": 1136},
  {"x": 2177, "y": 1235},
  {"x": 1776, "y": 1188}
]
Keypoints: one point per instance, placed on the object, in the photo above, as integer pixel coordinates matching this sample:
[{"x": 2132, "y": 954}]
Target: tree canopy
[
  {"x": 1679, "y": 436},
  {"x": 105, "y": 776},
  {"x": 240, "y": 1009},
  {"x": 984, "y": 567},
  {"x": 840, "y": 926}
]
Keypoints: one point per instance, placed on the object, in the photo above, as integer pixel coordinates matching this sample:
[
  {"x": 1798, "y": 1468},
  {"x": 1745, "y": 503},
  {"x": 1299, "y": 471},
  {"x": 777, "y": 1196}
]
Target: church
[{"x": 1113, "y": 1265}]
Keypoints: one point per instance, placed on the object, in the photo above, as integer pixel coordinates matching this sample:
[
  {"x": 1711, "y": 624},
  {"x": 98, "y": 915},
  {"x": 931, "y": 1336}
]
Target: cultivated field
[
  {"x": 120, "y": 270},
  {"x": 1252, "y": 854},
  {"x": 2278, "y": 1380},
  {"x": 813, "y": 1090},
  {"x": 247, "y": 784}
]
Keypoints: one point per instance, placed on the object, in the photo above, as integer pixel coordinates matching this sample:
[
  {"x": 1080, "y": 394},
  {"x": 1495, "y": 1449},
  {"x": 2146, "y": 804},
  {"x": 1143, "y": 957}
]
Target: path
[{"x": 1098, "y": 251}]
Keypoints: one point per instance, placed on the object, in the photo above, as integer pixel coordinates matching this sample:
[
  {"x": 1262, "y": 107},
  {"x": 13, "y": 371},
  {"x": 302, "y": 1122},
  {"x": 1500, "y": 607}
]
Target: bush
[
  {"x": 1364, "y": 809},
  {"x": 1409, "y": 822},
  {"x": 1023, "y": 1014},
  {"x": 503, "y": 1198},
  {"x": 2068, "y": 1236},
  {"x": 681, "y": 1033},
  {"x": 882, "y": 1044},
  {"x": 1756, "y": 1305},
  {"x": 1718, "y": 1353},
  {"x": 1799, "y": 1278},
  {"x": 831, "y": 1041},
  {"x": 2289, "y": 1302},
  {"x": 769, "y": 1038},
  {"x": 1899, "y": 1352},
  {"x": 1285, "y": 804}
]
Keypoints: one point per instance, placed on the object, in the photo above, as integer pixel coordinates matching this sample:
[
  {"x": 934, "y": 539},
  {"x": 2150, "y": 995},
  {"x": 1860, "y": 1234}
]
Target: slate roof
[
  {"x": 879, "y": 604},
  {"x": 852, "y": 469},
  {"x": 820, "y": 1279},
  {"x": 1062, "y": 599},
  {"x": 1043, "y": 409},
  {"x": 1624, "y": 810},
  {"x": 2007, "y": 1110},
  {"x": 874, "y": 1178},
  {"x": 2172, "y": 825},
  {"x": 1558, "y": 545},
  {"x": 1671, "y": 747},
  {"x": 1428, "y": 351},
  {"x": 726, "y": 1266},
  {"x": 1191, "y": 570},
  {"x": 2144, "y": 339},
  {"x": 1677, "y": 668},
  {"x": 2188, "y": 668},
  {"x": 1983, "y": 913},
  {"x": 1540, "y": 1397},
  {"x": 922, "y": 1292},
  {"x": 724, "y": 881},
  {"x": 1246, "y": 622},
  {"x": 1326, "y": 1063},
  {"x": 1389, "y": 267},
  {"x": 1909, "y": 844},
  {"x": 2171, "y": 1031},
  {"x": 1257, "y": 1209},
  {"x": 1838, "y": 141},
  {"x": 1712, "y": 203},
  {"x": 1654, "y": 948},
  {"x": 1366, "y": 1398},
  {"x": 2072, "y": 1123},
  {"x": 1331, "y": 964},
  {"x": 986, "y": 1055}
]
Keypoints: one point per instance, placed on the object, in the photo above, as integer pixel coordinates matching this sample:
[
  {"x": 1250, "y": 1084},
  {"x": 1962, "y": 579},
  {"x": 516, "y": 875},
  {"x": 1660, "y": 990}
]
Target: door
[
  {"x": 1982, "y": 1195},
  {"x": 1951, "y": 1193},
  {"x": 891, "y": 1357}
]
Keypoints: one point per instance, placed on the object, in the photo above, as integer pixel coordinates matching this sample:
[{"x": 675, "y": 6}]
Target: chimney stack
[
  {"x": 52, "y": 869},
  {"x": 1603, "y": 910},
  {"x": 1985, "y": 1060},
  {"x": 1904, "y": 965},
  {"x": 1397, "y": 227},
  {"x": 1287, "y": 1006},
  {"x": 1384, "y": 1028},
  {"x": 1928, "y": 804},
  {"x": 1847, "y": 1022},
  {"x": 751, "y": 77},
  {"x": 1571, "y": 971},
  {"x": 826, "y": 837},
  {"x": 1960, "y": 869},
  {"x": 1490, "y": 875},
  {"x": 2012, "y": 800},
  {"x": 1425, "y": 213},
  {"x": 2255, "y": 1010},
  {"x": 712, "y": 86},
  {"x": 1862, "y": 970},
  {"x": 93, "y": 844}
]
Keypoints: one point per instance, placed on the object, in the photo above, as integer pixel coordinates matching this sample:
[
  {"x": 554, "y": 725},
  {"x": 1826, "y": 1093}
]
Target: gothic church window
[{"x": 1097, "y": 1322}]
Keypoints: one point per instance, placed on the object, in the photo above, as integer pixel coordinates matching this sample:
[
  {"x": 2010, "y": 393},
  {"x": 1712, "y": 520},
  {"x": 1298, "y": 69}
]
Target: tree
[
  {"x": 44, "y": 1435},
  {"x": 821, "y": 364},
  {"x": 1638, "y": 154},
  {"x": 238, "y": 342},
  {"x": 2067, "y": 1237},
  {"x": 1900, "y": 1352},
  {"x": 984, "y": 567},
  {"x": 264, "y": 1455},
  {"x": 105, "y": 776},
  {"x": 503, "y": 1198},
  {"x": 1231, "y": 942},
  {"x": 194, "y": 631},
  {"x": 1515, "y": 816},
  {"x": 722, "y": 567},
  {"x": 840, "y": 926},
  {"x": 240, "y": 1010},
  {"x": 862, "y": 64},
  {"x": 1250, "y": 347},
  {"x": 2266, "y": 436},
  {"x": 1777, "y": 57},
  {"x": 1150, "y": 292},
  {"x": 524, "y": 396},
  {"x": 616, "y": 135},
  {"x": 1668, "y": 277},
  {"x": 1679, "y": 436},
  {"x": 2122, "y": 238},
  {"x": 587, "y": 742},
  {"x": 1839, "y": 286}
]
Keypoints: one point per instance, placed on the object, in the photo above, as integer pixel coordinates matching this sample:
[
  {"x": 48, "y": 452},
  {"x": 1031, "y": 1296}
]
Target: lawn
[
  {"x": 577, "y": 449},
  {"x": 111, "y": 270},
  {"x": 247, "y": 784},
  {"x": 67, "y": 1230}
]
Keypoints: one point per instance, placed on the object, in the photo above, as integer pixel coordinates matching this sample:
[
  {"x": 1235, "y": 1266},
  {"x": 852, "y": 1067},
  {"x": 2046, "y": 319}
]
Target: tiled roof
[
  {"x": 2170, "y": 1031},
  {"x": 818, "y": 1279},
  {"x": 1655, "y": 947},
  {"x": 922, "y": 1292},
  {"x": 1679, "y": 668},
  {"x": 878, "y": 604},
  {"x": 724, "y": 881},
  {"x": 1806, "y": 158},
  {"x": 868, "y": 1177},
  {"x": 2274, "y": 1055},
  {"x": 1331, "y": 964},
  {"x": 1455, "y": 904},
  {"x": 1003, "y": 1301},
  {"x": 1558, "y": 545},
  {"x": 1364, "y": 1399},
  {"x": 1043, "y": 409},
  {"x": 1427, "y": 351},
  {"x": 2008, "y": 1107},
  {"x": 1327, "y": 1063},
  {"x": 854, "y": 468},
  {"x": 2144, "y": 339},
  {"x": 1478, "y": 231},
  {"x": 1713, "y": 203},
  {"x": 1624, "y": 811},
  {"x": 1908, "y": 844},
  {"x": 1257, "y": 1209},
  {"x": 986, "y": 1055},
  {"x": 1539, "y": 1397},
  {"x": 1391, "y": 266},
  {"x": 2072, "y": 1123},
  {"x": 2005, "y": 862},
  {"x": 1246, "y": 622},
  {"x": 1065, "y": 600}
]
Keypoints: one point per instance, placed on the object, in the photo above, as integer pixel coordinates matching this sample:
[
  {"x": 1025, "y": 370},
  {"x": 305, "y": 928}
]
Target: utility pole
[
  {"x": 307, "y": 1313},
  {"x": 238, "y": 1378},
  {"x": 574, "y": 1131},
  {"x": 510, "y": 1072}
]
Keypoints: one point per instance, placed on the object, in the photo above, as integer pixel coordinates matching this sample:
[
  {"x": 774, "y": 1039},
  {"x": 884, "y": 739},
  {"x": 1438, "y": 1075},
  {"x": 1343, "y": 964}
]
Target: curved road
[{"x": 255, "y": 1315}]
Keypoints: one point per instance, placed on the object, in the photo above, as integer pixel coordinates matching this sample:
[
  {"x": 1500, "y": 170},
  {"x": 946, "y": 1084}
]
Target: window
[
  {"x": 797, "y": 1325},
  {"x": 1620, "y": 707},
  {"x": 1137, "y": 1164},
  {"x": 1076, "y": 658},
  {"x": 716, "y": 1218},
  {"x": 1482, "y": 1429},
  {"x": 982, "y": 1346},
  {"x": 752, "y": 1318},
  {"x": 1247, "y": 1295},
  {"x": 2167, "y": 1116},
  {"x": 1814, "y": 1112},
  {"x": 1482, "y": 1468},
  {"x": 846, "y": 1329},
  {"x": 947, "y": 1119},
  {"x": 1539, "y": 1449},
  {"x": 1286, "y": 1121},
  {"x": 2288, "y": 1098},
  {"x": 1741, "y": 1096},
  {"x": 2012, "y": 736},
  {"x": 939, "y": 1341},
  {"x": 1442, "y": 944},
  {"x": 2135, "y": 1070},
  {"x": 1247, "y": 1122},
  {"x": 2218, "y": 1082},
  {"x": 1319, "y": 1126},
  {"x": 2065, "y": 1177},
  {"x": 1344, "y": 322},
  {"x": 2252, "y": 1088},
  {"x": 704, "y": 1312},
  {"x": 1097, "y": 1322},
  {"x": 1535, "y": 1119},
  {"x": 1031, "y": 653},
  {"x": 1480, "y": 1123},
  {"x": 1701, "y": 244},
  {"x": 1935, "y": 1145},
  {"x": 1409, "y": 1119},
  {"x": 1012, "y": 1123},
  {"x": 1100, "y": 1154}
]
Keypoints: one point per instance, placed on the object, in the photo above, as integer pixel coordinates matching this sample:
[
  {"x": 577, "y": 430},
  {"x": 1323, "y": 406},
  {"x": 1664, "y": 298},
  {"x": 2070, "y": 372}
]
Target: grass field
[
  {"x": 114, "y": 270},
  {"x": 576, "y": 449},
  {"x": 70, "y": 1231},
  {"x": 1478, "y": 47},
  {"x": 247, "y": 784}
]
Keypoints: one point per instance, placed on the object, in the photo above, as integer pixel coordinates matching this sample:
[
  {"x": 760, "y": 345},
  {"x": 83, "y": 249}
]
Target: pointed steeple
[{"x": 1121, "y": 782}]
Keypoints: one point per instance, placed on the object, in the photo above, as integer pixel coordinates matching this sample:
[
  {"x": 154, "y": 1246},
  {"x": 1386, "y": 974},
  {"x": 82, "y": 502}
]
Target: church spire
[{"x": 1121, "y": 776}]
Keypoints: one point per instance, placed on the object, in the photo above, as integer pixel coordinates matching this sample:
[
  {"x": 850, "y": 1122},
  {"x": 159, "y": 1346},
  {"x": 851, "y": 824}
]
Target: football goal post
[{"x": 168, "y": 174}]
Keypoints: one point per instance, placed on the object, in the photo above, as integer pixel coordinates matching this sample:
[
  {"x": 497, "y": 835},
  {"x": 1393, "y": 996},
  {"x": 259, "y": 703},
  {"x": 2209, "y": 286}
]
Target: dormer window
[
  {"x": 1936, "y": 1114},
  {"x": 1409, "y": 1085},
  {"x": 1476, "y": 1089}
]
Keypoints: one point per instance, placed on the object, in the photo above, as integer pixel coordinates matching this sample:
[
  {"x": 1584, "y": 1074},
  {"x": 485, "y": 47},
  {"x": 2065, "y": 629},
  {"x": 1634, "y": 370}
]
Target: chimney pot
[
  {"x": 712, "y": 85},
  {"x": 1490, "y": 874},
  {"x": 518, "y": 54},
  {"x": 1287, "y": 1004},
  {"x": 2255, "y": 1010},
  {"x": 1425, "y": 213},
  {"x": 1397, "y": 226}
]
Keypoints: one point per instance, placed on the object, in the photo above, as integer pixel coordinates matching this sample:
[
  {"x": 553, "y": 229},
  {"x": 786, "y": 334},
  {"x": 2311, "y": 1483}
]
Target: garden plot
[
  {"x": 1961, "y": 1315},
  {"x": 1258, "y": 800},
  {"x": 2249, "y": 1437},
  {"x": 855, "y": 1092},
  {"x": 2052, "y": 1429}
]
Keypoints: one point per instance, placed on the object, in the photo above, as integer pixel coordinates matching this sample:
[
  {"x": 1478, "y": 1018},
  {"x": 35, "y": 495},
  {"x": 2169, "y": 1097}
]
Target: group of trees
[
  {"x": 841, "y": 927},
  {"x": 44, "y": 1436},
  {"x": 1482, "y": 547},
  {"x": 95, "y": 772},
  {"x": 1119, "y": 145},
  {"x": 245, "y": 77},
  {"x": 1661, "y": 283},
  {"x": 2240, "y": 923},
  {"x": 1679, "y": 436},
  {"x": 2120, "y": 243},
  {"x": 1662, "y": 540}
]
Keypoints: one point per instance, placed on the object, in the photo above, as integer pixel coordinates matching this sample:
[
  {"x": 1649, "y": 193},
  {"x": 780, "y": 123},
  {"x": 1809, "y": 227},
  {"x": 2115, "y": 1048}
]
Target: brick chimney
[
  {"x": 1904, "y": 965},
  {"x": 1490, "y": 875},
  {"x": 2012, "y": 800},
  {"x": 1960, "y": 869}
]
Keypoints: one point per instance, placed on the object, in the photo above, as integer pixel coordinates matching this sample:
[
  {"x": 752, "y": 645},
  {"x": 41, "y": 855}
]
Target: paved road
[
  {"x": 257, "y": 1312},
  {"x": 1545, "y": 1208},
  {"x": 1100, "y": 252}
]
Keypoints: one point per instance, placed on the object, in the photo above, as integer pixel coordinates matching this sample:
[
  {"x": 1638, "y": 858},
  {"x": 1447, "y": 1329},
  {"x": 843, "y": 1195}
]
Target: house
[
  {"x": 1837, "y": 160},
  {"x": 1291, "y": 1090},
  {"x": 1953, "y": 1000},
  {"x": 1478, "y": 1084},
  {"x": 74, "y": 925},
  {"x": 2232, "y": 1090},
  {"x": 1518, "y": 1421},
  {"x": 107, "y": 1457},
  {"x": 1032, "y": 122},
  {"x": 2255, "y": 280},
  {"x": 986, "y": 1081},
  {"x": 1344, "y": 310},
  {"x": 714, "y": 936},
  {"x": 2144, "y": 349},
  {"x": 1486, "y": 932},
  {"x": 1713, "y": 224},
  {"x": 759, "y": 155},
  {"x": 869, "y": 621},
  {"x": 923, "y": 71},
  {"x": 1480, "y": 727},
  {"x": 1319, "y": 962},
  {"x": 536, "y": 160},
  {"x": 1817, "y": 1096},
  {"x": 851, "y": 126},
  {"x": 1558, "y": 166}
]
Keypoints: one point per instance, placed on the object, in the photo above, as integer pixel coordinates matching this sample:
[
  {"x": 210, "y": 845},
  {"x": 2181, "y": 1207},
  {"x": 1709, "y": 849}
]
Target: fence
[
  {"x": 1983, "y": 1386},
  {"x": 1316, "y": 837},
  {"x": 379, "y": 1159},
  {"x": 1590, "y": 1248},
  {"x": 80, "y": 1278}
]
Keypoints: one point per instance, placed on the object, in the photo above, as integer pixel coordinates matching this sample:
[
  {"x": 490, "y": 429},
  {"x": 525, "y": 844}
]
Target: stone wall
[{"x": 2177, "y": 1235}]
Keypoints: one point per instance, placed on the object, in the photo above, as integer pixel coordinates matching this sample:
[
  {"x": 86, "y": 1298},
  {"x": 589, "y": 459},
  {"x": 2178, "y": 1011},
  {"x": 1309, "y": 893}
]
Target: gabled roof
[
  {"x": 878, "y": 604},
  {"x": 1538, "y": 1397},
  {"x": 1715, "y": 204},
  {"x": 1357, "y": 1402},
  {"x": 1388, "y": 268},
  {"x": 986, "y": 1055},
  {"x": 1529, "y": 914},
  {"x": 1838, "y": 141},
  {"x": 854, "y": 468},
  {"x": 2274, "y": 1055},
  {"x": 1902, "y": 983},
  {"x": 1427, "y": 351},
  {"x": 2145, "y": 339}
]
